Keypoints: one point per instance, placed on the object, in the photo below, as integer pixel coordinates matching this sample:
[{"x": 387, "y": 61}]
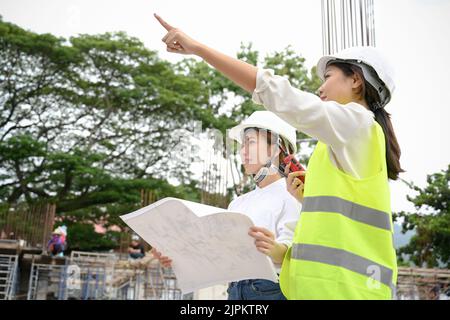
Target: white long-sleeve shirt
[
  {"x": 271, "y": 207},
  {"x": 345, "y": 129}
]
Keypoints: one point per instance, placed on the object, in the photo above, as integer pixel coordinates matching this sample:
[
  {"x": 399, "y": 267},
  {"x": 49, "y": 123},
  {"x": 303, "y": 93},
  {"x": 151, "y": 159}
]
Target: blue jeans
[{"x": 255, "y": 289}]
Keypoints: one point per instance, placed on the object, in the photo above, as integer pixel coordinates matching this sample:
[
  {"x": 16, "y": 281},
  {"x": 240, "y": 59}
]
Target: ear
[{"x": 357, "y": 80}]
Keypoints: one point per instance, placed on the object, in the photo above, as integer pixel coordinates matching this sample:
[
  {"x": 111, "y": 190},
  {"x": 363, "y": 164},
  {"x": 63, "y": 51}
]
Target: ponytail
[{"x": 383, "y": 118}]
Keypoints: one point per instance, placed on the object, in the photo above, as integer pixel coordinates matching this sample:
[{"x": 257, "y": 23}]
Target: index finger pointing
[{"x": 166, "y": 26}]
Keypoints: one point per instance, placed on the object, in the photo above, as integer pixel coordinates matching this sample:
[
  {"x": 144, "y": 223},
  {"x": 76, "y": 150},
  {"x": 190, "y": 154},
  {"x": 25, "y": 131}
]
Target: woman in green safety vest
[{"x": 343, "y": 243}]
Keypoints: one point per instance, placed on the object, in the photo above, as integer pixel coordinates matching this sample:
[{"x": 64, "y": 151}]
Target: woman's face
[
  {"x": 255, "y": 151},
  {"x": 338, "y": 87}
]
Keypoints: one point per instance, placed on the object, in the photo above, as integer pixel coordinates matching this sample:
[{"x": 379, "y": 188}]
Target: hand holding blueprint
[{"x": 207, "y": 245}]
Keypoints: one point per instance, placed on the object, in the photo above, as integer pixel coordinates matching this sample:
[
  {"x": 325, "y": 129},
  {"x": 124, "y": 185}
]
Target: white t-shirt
[{"x": 271, "y": 207}]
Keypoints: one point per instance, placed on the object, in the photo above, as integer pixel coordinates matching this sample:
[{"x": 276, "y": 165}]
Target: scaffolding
[
  {"x": 149, "y": 282},
  {"x": 89, "y": 276},
  {"x": 99, "y": 276},
  {"x": 47, "y": 282},
  {"x": 8, "y": 276},
  {"x": 422, "y": 284}
]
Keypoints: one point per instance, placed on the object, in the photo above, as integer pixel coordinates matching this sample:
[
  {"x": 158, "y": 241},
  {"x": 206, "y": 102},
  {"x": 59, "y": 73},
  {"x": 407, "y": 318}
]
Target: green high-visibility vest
[{"x": 343, "y": 243}]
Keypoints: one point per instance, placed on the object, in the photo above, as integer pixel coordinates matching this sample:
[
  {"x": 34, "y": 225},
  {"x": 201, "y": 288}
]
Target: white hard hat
[
  {"x": 268, "y": 121},
  {"x": 57, "y": 231},
  {"x": 376, "y": 69}
]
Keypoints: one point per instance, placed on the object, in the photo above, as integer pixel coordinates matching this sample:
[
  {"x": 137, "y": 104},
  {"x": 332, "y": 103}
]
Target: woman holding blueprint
[{"x": 273, "y": 210}]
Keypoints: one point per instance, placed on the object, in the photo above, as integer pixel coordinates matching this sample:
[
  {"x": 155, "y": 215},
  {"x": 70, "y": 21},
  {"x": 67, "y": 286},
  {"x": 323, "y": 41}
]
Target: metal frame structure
[
  {"x": 9, "y": 267},
  {"x": 102, "y": 277},
  {"x": 47, "y": 282},
  {"x": 347, "y": 23}
]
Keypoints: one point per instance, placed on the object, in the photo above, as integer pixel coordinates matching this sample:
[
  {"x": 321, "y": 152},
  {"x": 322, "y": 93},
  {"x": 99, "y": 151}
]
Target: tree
[
  {"x": 104, "y": 98},
  {"x": 88, "y": 122},
  {"x": 430, "y": 246}
]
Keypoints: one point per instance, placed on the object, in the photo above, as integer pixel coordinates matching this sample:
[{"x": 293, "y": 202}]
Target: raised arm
[
  {"x": 240, "y": 72},
  {"x": 328, "y": 121}
]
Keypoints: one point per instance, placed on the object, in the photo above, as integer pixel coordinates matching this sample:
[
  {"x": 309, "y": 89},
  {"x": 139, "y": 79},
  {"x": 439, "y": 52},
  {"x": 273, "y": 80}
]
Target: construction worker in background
[
  {"x": 63, "y": 230},
  {"x": 343, "y": 244},
  {"x": 56, "y": 245},
  {"x": 264, "y": 140},
  {"x": 136, "y": 249}
]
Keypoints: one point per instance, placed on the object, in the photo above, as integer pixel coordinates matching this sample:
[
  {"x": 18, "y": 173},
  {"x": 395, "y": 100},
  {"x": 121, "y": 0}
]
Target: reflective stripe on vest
[
  {"x": 349, "y": 209},
  {"x": 341, "y": 258}
]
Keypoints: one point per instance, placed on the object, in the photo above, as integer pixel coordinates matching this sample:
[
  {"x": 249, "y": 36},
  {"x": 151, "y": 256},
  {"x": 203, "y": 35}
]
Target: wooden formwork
[
  {"x": 32, "y": 223},
  {"x": 421, "y": 283}
]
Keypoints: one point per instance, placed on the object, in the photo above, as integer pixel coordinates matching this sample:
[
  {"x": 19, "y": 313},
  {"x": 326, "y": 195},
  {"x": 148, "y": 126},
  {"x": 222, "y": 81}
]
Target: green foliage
[
  {"x": 430, "y": 246},
  {"x": 86, "y": 123},
  {"x": 82, "y": 237}
]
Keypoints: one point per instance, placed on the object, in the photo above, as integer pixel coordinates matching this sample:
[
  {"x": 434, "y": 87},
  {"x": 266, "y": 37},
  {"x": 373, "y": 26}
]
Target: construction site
[
  {"x": 105, "y": 276},
  {"x": 29, "y": 270}
]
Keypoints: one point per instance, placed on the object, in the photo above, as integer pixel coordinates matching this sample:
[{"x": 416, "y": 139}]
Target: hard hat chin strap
[{"x": 264, "y": 171}]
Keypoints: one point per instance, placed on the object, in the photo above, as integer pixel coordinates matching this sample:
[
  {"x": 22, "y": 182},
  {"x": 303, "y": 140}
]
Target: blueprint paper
[{"x": 207, "y": 245}]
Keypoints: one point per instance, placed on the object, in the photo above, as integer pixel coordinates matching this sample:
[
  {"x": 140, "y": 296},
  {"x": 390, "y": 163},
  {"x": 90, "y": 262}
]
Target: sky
[{"x": 413, "y": 35}]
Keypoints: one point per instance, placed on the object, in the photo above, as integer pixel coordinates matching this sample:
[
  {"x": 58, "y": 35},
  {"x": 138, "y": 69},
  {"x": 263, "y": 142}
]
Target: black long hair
[{"x": 368, "y": 92}]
